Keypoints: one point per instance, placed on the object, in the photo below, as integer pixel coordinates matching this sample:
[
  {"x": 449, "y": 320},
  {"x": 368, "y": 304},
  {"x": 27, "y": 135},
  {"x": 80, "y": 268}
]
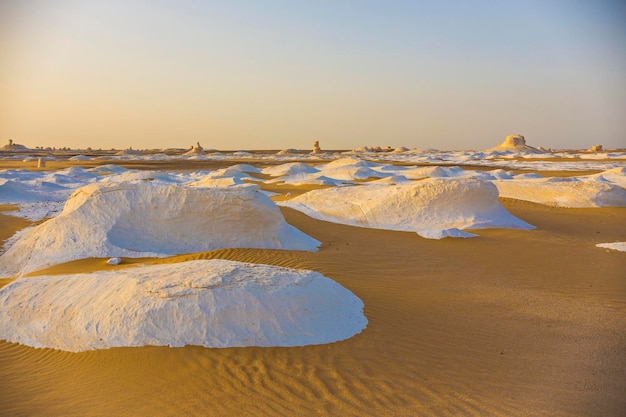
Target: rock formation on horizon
[
  {"x": 195, "y": 150},
  {"x": 515, "y": 143},
  {"x": 11, "y": 146}
]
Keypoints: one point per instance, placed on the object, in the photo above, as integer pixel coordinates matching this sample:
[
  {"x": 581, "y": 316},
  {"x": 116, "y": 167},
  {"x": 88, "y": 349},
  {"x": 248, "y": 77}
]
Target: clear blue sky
[{"x": 281, "y": 74}]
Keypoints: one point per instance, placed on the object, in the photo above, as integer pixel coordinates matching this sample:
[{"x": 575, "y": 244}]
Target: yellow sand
[{"x": 512, "y": 323}]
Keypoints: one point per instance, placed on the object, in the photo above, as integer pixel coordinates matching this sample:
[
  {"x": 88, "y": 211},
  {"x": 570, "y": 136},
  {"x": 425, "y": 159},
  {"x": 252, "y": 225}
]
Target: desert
[{"x": 368, "y": 282}]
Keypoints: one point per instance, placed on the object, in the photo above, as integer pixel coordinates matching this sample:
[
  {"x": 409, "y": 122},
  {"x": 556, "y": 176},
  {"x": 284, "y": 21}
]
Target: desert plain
[{"x": 512, "y": 322}]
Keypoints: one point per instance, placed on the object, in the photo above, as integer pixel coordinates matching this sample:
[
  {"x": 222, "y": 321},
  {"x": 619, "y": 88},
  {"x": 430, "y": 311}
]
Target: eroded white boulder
[
  {"x": 148, "y": 219},
  {"x": 211, "y": 303},
  {"x": 434, "y": 208}
]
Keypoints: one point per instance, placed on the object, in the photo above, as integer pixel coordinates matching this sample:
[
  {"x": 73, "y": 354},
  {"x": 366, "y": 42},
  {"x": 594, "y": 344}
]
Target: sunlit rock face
[
  {"x": 514, "y": 141},
  {"x": 434, "y": 208}
]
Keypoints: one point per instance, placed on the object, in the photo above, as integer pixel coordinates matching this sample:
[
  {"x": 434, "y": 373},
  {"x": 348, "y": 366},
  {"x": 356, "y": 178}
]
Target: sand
[{"x": 512, "y": 323}]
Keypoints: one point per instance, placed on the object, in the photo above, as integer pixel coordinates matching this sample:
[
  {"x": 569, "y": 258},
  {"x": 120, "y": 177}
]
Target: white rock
[
  {"x": 433, "y": 208},
  {"x": 114, "y": 261},
  {"x": 564, "y": 192},
  {"x": 596, "y": 148},
  {"x": 213, "y": 303},
  {"x": 618, "y": 246},
  {"x": 289, "y": 169},
  {"x": 147, "y": 219},
  {"x": 195, "y": 150}
]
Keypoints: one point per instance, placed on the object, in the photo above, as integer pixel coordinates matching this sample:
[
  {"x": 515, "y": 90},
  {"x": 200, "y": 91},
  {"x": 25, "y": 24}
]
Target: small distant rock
[
  {"x": 195, "y": 150},
  {"x": 596, "y": 148},
  {"x": 288, "y": 152},
  {"x": 316, "y": 147},
  {"x": 114, "y": 261}
]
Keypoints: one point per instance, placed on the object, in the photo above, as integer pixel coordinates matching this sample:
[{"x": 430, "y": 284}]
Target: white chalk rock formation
[
  {"x": 316, "y": 147},
  {"x": 148, "y": 219},
  {"x": 214, "y": 303},
  {"x": 114, "y": 261},
  {"x": 434, "y": 208},
  {"x": 289, "y": 169},
  {"x": 565, "y": 192},
  {"x": 515, "y": 143},
  {"x": 289, "y": 151},
  {"x": 618, "y": 246},
  {"x": 12, "y": 146},
  {"x": 195, "y": 150}
]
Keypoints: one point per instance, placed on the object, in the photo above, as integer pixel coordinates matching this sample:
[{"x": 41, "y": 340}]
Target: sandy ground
[{"x": 512, "y": 323}]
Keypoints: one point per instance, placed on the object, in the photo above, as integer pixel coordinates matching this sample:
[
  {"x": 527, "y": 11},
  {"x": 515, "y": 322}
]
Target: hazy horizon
[{"x": 278, "y": 74}]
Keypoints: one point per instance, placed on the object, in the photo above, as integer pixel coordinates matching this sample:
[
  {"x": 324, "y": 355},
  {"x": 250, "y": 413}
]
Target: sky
[{"x": 282, "y": 74}]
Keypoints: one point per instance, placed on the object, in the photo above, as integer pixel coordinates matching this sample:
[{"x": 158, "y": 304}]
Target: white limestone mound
[
  {"x": 395, "y": 179},
  {"x": 240, "y": 169},
  {"x": 37, "y": 199},
  {"x": 146, "y": 219},
  {"x": 79, "y": 158},
  {"x": 333, "y": 173},
  {"x": 433, "y": 172},
  {"x": 195, "y": 150},
  {"x": 212, "y": 182},
  {"x": 618, "y": 246},
  {"x": 12, "y": 191},
  {"x": 564, "y": 192},
  {"x": 306, "y": 179},
  {"x": 211, "y": 303},
  {"x": 349, "y": 169},
  {"x": 614, "y": 176},
  {"x": 289, "y": 151},
  {"x": 140, "y": 176},
  {"x": 434, "y": 208},
  {"x": 289, "y": 169},
  {"x": 128, "y": 151},
  {"x": 235, "y": 175},
  {"x": 400, "y": 149},
  {"x": 348, "y": 161},
  {"x": 114, "y": 261}
]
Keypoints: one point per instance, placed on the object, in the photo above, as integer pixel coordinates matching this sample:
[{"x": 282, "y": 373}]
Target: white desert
[{"x": 313, "y": 282}]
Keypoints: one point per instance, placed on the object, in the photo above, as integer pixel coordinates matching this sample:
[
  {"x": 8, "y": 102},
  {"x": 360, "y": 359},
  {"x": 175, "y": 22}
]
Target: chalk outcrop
[
  {"x": 195, "y": 150},
  {"x": 214, "y": 303},
  {"x": 565, "y": 192},
  {"x": 146, "y": 219},
  {"x": 515, "y": 143},
  {"x": 434, "y": 208},
  {"x": 12, "y": 146}
]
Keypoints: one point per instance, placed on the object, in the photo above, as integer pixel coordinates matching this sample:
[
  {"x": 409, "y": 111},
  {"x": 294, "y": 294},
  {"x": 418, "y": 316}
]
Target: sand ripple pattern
[{"x": 513, "y": 323}]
